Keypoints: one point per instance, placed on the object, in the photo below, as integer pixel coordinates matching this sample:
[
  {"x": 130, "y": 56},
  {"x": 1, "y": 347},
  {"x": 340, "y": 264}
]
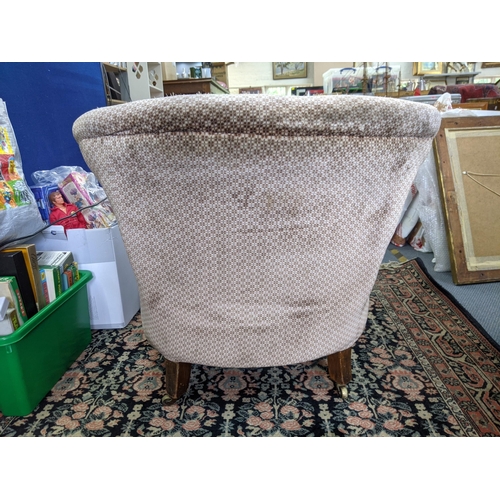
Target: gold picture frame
[
  {"x": 467, "y": 151},
  {"x": 289, "y": 70},
  {"x": 427, "y": 68},
  {"x": 490, "y": 65}
]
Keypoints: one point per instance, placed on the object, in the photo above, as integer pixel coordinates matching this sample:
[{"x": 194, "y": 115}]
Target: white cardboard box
[{"x": 113, "y": 292}]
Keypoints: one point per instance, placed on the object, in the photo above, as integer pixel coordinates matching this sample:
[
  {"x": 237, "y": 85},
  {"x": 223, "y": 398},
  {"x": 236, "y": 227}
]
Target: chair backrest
[{"x": 256, "y": 224}]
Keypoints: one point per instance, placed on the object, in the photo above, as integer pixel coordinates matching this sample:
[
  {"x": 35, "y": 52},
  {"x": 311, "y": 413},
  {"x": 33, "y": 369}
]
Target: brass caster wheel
[
  {"x": 343, "y": 391},
  {"x": 167, "y": 400}
]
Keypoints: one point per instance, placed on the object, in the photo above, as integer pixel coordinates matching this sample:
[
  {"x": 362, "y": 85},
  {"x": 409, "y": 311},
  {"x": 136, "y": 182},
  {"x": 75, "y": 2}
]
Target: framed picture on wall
[
  {"x": 289, "y": 70},
  {"x": 467, "y": 151},
  {"x": 490, "y": 65},
  {"x": 427, "y": 68}
]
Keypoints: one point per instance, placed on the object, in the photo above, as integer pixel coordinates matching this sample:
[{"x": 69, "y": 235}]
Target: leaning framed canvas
[
  {"x": 288, "y": 70},
  {"x": 467, "y": 152}
]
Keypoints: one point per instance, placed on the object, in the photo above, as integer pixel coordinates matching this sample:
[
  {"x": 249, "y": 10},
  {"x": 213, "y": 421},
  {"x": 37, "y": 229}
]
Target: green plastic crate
[{"x": 37, "y": 354}]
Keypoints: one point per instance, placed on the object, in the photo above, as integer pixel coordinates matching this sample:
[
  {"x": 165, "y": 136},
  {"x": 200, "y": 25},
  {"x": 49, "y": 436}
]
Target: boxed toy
[
  {"x": 9, "y": 289},
  {"x": 9, "y": 321},
  {"x": 41, "y": 194},
  {"x": 75, "y": 190}
]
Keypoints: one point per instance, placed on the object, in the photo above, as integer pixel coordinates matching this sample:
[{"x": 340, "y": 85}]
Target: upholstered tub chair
[{"x": 256, "y": 225}]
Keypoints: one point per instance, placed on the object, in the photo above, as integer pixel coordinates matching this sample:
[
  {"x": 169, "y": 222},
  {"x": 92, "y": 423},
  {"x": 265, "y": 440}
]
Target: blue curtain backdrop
[{"x": 43, "y": 100}]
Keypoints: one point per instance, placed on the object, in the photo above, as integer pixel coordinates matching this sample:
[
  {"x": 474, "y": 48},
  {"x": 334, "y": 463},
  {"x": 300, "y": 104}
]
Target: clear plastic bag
[
  {"x": 19, "y": 215},
  {"x": 54, "y": 176},
  {"x": 82, "y": 189}
]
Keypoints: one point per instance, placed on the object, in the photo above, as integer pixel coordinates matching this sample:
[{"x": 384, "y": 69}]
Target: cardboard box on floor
[
  {"x": 113, "y": 291},
  {"x": 219, "y": 72}
]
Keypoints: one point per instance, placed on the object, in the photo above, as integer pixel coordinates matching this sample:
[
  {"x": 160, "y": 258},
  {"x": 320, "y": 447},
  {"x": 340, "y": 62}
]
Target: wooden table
[{"x": 193, "y": 86}]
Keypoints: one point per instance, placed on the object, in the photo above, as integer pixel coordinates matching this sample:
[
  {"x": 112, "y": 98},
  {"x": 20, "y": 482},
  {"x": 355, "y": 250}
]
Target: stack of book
[
  {"x": 59, "y": 270},
  {"x": 29, "y": 280}
]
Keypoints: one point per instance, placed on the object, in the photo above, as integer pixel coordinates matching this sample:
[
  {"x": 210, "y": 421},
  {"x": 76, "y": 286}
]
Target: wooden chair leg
[
  {"x": 176, "y": 380},
  {"x": 339, "y": 369}
]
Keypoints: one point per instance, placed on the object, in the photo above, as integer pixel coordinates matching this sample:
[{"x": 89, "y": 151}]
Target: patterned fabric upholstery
[{"x": 256, "y": 224}]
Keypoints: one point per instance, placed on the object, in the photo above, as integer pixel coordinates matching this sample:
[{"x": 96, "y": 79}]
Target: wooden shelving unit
[
  {"x": 193, "y": 86},
  {"x": 145, "y": 80},
  {"x": 113, "y": 68},
  {"x": 121, "y": 87}
]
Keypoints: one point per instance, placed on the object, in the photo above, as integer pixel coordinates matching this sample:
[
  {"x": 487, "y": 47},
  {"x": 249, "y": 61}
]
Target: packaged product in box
[
  {"x": 4, "y": 305},
  {"x": 9, "y": 322},
  {"x": 8, "y": 168},
  {"x": 10, "y": 289},
  {"x": 41, "y": 194},
  {"x": 75, "y": 190},
  {"x": 13, "y": 194}
]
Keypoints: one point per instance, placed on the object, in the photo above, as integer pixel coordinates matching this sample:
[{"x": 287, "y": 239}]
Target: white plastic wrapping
[
  {"x": 417, "y": 239},
  {"x": 401, "y": 233},
  {"x": 430, "y": 213},
  {"x": 19, "y": 215},
  {"x": 444, "y": 103},
  {"x": 56, "y": 175}
]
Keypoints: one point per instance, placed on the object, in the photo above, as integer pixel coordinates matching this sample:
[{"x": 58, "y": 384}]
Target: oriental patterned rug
[{"x": 423, "y": 367}]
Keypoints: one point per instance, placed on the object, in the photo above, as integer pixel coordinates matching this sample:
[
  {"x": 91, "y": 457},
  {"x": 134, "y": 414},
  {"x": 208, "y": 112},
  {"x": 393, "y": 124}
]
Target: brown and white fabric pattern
[{"x": 256, "y": 224}]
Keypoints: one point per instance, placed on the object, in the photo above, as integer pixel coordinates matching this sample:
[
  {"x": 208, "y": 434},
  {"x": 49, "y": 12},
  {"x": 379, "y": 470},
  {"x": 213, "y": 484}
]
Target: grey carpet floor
[{"x": 482, "y": 301}]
